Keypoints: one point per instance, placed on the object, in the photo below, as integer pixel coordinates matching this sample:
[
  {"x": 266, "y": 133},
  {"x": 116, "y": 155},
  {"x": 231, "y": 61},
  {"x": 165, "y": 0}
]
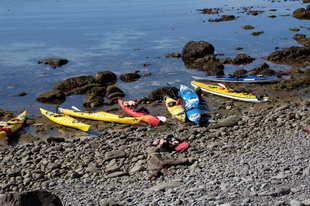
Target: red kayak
[{"x": 136, "y": 111}]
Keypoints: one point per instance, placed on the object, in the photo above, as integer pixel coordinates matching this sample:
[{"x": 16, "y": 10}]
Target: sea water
[{"x": 122, "y": 36}]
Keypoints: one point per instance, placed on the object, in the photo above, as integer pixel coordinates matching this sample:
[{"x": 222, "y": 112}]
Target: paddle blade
[
  {"x": 222, "y": 85},
  {"x": 162, "y": 118},
  {"x": 75, "y": 108}
]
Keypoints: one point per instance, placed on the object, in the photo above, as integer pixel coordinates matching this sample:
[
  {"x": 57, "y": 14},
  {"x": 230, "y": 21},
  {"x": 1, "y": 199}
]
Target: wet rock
[
  {"x": 294, "y": 29},
  {"x": 257, "y": 33},
  {"x": 130, "y": 77},
  {"x": 21, "y": 94},
  {"x": 213, "y": 68},
  {"x": 83, "y": 89},
  {"x": 223, "y": 18},
  {"x": 302, "y": 13},
  {"x": 246, "y": 27},
  {"x": 262, "y": 69},
  {"x": 33, "y": 198},
  {"x": 54, "y": 96},
  {"x": 159, "y": 93},
  {"x": 240, "y": 72},
  {"x": 174, "y": 55},
  {"x": 242, "y": 59},
  {"x": 301, "y": 39},
  {"x": 54, "y": 62},
  {"x": 74, "y": 82},
  {"x": 297, "y": 56},
  {"x": 196, "y": 49},
  {"x": 210, "y": 10},
  {"x": 114, "y": 92},
  {"x": 105, "y": 77},
  {"x": 94, "y": 97},
  {"x": 55, "y": 139}
]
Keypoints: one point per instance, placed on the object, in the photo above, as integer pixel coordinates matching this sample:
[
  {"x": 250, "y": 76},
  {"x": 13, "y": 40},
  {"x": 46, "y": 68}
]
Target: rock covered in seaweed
[{"x": 54, "y": 62}]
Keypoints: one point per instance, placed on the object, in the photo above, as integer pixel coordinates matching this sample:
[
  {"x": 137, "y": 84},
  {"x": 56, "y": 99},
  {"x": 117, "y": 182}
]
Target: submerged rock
[
  {"x": 130, "y": 77},
  {"x": 53, "y": 96},
  {"x": 223, "y": 18},
  {"x": 54, "y": 62},
  {"x": 242, "y": 59},
  {"x": 21, "y": 94}
]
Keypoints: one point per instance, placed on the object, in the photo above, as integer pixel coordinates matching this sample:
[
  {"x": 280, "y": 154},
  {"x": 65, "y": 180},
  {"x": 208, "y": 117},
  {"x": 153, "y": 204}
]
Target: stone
[
  {"x": 53, "y": 96},
  {"x": 54, "y": 62},
  {"x": 105, "y": 77},
  {"x": 114, "y": 155},
  {"x": 160, "y": 93},
  {"x": 195, "y": 50},
  {"x": 31, "y": 198},
  {"x": 130, "y": 77},
  {"x": 165, "y": 185}
]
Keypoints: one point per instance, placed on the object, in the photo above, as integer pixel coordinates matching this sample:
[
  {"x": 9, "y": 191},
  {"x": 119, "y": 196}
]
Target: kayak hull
[
  {"x": 177, "y": 111},
  {"x": 101, "y": 116},
  {"x": 191, "y": 103},
  {"x": 247, "y": 79},
  {"x": 65, "y": 120},
  {"x": 13, "y": 124},
  {"x": 146, "y": 117},
  {"x": 217, "y": 90}
]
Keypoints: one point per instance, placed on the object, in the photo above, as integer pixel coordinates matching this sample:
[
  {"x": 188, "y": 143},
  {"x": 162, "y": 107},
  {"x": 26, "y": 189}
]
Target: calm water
[{"x": 121, "y": 36}]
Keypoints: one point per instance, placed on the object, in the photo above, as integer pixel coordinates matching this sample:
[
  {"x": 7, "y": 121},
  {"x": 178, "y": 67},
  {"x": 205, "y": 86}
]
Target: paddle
[
  {"x": 161, "y": 118},
  {"x": 176, "y": 98},
  {"x": 222, "y": 85}
]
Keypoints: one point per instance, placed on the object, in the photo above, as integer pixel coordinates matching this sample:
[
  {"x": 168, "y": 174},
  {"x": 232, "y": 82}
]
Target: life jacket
[{"x": 7, "y": 130}]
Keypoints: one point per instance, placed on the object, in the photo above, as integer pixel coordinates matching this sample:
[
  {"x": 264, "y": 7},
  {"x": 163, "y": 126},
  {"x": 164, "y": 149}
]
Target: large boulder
[
  {"x": 196, "y": 49},
  {"x": 105, "y": 77},
  {"x": 302, "y": 13},
  {"x": 160, "y": 93},
  {"x": 74, "y": 82},
  {"x": 53, "y": 96},
  {"x": 54, "y": 62},
  {"x": 32, "y": 198}
]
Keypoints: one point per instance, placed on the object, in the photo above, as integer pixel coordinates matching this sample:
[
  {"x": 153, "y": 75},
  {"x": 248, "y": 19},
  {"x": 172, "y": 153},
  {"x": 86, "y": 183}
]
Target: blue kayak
[
  {"x": 243, "y": 79},
  {"x": 191, "y": 103}
]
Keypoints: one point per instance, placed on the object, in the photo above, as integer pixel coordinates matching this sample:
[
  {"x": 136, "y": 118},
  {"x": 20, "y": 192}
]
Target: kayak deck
[{"x": 65, "y": 120}]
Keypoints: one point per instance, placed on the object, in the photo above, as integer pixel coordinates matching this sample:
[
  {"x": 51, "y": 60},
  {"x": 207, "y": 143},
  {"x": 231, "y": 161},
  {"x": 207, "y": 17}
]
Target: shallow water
[{"x": 121, "y": 36}]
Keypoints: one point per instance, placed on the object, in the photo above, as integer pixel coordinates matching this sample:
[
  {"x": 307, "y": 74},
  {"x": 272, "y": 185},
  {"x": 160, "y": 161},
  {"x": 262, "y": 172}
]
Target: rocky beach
[
  {"x": 240, "y": 154},
  {"x": 254, "y": 158}
]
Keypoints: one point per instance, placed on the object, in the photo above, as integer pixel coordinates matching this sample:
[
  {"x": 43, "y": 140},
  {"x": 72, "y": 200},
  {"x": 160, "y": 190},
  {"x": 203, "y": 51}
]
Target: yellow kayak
[
  {"x": 13, "y": 125},
  {"x": 177, "y": 111},
  {"x": 65, "y": 120},
  {"x": 103, "y": 116},
  {"x": 224, "y": 92}
]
